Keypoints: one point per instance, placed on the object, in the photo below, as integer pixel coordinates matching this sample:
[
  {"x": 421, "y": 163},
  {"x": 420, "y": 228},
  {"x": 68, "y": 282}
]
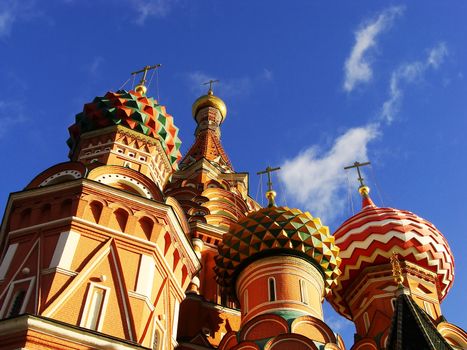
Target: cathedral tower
[
  {"x": 367, "y": 294},
  {"x": 279, "y": 263},
  {"x": 94, "y": 255}
]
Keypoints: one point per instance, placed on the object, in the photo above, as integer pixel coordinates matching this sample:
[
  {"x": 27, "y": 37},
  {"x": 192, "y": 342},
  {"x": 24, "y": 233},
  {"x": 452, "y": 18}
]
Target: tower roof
[
  {"x": 371, "y": 236},
  {"x": 134, "y": 110},
  {"x": 209, "y": 100},
  {"x": 273, "y": 230},
  {"x": 412, "y": 328}
]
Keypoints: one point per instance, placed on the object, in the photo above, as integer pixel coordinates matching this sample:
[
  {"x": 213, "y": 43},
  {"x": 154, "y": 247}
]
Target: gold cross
[
  {"x": 268, "y": 171},
  {"x": 210, "y": 82},
  {"x": 145, "y": 72},
  {"x": 358, "y": 165}
]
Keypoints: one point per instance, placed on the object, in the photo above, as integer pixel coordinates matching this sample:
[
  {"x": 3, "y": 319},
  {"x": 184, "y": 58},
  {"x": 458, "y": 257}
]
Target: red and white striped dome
[{"x": 370, "y": 237}]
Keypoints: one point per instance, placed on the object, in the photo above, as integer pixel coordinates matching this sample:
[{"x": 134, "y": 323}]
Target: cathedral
[{"x": 132, "y": 245}]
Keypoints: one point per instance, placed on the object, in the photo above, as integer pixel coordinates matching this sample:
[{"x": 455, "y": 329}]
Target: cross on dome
[
  {"x": 270, "y": 194},
  {"x": 141, "y": 87}
]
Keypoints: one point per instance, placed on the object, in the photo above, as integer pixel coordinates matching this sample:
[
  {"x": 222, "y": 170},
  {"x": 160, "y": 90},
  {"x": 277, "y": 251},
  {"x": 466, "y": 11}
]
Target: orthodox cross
[
  {"x": 358, "y": 165},
  {"x": 145, "y": 72},
  {"x": 268, "y": 171},
  {"x": 210, "y": 82}
]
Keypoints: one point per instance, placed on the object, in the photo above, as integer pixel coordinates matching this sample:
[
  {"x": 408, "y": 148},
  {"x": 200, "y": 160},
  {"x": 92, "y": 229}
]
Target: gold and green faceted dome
[{"x": 278, "y": 230}]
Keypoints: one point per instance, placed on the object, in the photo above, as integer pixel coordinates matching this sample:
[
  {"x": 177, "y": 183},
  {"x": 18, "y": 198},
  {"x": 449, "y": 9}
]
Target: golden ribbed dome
[{"x": 209, "y": 100}]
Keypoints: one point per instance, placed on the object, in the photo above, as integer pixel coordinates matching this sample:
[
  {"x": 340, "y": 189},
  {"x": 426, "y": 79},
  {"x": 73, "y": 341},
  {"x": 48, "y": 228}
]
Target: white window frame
[
  {"x": 8, "y": 299},
  {"x": 303, "y": 292},
  {"x": 85, "y": 319}
]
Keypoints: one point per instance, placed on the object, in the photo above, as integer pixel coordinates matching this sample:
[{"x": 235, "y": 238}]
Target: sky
[{"x": 309, "y": 86}]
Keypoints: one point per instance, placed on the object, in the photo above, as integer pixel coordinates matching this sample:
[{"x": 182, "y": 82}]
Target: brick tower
[{"x": 94, "y": 255}]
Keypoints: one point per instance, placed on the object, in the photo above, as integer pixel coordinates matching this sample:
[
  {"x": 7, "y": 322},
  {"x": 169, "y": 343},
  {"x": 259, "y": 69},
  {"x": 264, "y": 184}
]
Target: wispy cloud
[
  {"x": 151, "y": 8},
  {"x": 228, "y": 87},
  {"x": 337, "y": 324},
  {"x": 12, "y": 11},
  {"x": 357, "y": 67},
  {"x": 409, "y": 73},
  {"x": 11, "y": 113},
  {"x": 315, "y": 177},
  {"x": 94, "y": 66}
]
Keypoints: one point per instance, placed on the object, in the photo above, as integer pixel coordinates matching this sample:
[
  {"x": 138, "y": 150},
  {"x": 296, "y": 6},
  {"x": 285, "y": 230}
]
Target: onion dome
[
  {"x": 134, "y": 110},
  {"x": 209, "y": 100},
  {"x": 276, "y": 230},
  {"x": 371, "y": 237}
]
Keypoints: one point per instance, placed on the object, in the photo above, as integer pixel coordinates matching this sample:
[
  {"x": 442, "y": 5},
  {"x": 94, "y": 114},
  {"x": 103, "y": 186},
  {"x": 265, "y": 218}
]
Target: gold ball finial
[
  {"x": 142, "y": 89},
  {"x": 364, "y": 190},
  {"x": 271, "y": 196}
]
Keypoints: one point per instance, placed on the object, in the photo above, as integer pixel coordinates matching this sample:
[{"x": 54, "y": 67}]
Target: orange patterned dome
[{"x": 276, "y": 230}]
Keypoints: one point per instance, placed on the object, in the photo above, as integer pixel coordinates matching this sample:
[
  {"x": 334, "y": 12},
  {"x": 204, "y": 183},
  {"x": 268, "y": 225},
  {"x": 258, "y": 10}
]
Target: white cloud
[
  {"x": 408, "y": 73},
  {"x": 316, "y": 179},
  {"x": 228, "y": 87},
  {"x": 357, "y": 67},
  {"x": 338, "y": 324},
  {"x": 151, "y": 8}
]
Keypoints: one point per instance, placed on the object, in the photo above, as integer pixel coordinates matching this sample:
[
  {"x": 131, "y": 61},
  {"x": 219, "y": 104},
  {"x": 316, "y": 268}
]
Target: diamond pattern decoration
[
  {"x": 133, "y": 110},
  {"x": 278, "y": 228}
]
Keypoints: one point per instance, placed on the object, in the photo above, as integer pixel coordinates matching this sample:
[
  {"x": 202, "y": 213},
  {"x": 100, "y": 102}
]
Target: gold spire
[
  {"x": 141, "y": 88},
  {"x": 270, "y": 194},
  {"x": 396, "y": 270}
]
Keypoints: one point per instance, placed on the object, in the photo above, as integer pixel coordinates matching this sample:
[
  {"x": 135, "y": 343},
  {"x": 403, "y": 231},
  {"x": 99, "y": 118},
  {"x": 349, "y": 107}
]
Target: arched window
[
  {"x": 146, "y": 225},
  {"x": 96, "y": 210},
  {"x": 303, "y": 292},
  {"x": 245, "y": 302},
  {"x": 272, "y": 289},
  {"x": 122, "y": 217},
  {"x": 45, "y": 212},
  {"x": 65, "y": 207},
  {"x": 17, "y": 304},
  {"x": 367, "y": 321}
]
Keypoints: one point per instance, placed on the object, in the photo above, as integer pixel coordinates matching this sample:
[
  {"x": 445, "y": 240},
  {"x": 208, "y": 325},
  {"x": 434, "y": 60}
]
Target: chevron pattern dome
[
  {"x": 371, "y": 236},
  {"x": 133, "y": 110},
  {"x": 275, "y": 229}
]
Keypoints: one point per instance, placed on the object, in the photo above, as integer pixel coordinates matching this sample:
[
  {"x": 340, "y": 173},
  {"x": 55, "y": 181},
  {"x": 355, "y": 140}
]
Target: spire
[
  {"x": 209, "y": 112},
  {"x": 270, "y": 194},
  {"x": 363, "y": 189},
  {"x": 141, "y": 87}
]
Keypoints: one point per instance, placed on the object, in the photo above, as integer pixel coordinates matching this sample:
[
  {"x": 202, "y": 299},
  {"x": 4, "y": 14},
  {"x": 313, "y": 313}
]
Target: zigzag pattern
[
  {"x": 277, "y": 228},
  {"x": 370, "y": 237}
]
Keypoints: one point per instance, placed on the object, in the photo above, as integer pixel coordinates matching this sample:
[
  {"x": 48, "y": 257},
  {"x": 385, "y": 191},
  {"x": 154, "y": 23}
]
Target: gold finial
[
  {"x": 270, "y": 194},
  {"x": 210, "y": 82},
  {"x": 396, "y": 269},
  {"x": 141, "y": 88},
  {"x": 363, "y": 189}
]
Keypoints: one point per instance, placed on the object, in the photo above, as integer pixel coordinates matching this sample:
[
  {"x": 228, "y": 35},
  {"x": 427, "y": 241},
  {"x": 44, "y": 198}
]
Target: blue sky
[{"x": 310, "y": 86}]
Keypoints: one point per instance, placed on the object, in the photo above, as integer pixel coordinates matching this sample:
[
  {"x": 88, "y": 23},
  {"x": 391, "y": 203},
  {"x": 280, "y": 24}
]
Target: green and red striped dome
[{"x": 133, "y": 110}]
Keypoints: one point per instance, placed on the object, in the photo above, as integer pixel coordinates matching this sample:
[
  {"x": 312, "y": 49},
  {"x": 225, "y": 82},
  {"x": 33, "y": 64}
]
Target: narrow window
[
  {"x": 367, "y": 321},
  {"x": 428, "y": 308},
  {"x": 17, "y": 303},
  {"x": 245, "y": 302},
  {"x": 272, "y": 289},
  {"x": 303, "y": 292},
  {"x": 95, "y": 309}
]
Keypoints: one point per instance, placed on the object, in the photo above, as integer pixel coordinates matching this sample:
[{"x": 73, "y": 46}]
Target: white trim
[
  {"x": 10, "y": 289},
  {"x": 146, "y": 272},
  {"x": 7, "y": 260},
  {"x": 366, "y": 320},
  {"x": 175, "y": 319},
  {"x": 64, "y": 331},
  {"x": 65, "y": 250},
  {"x": 85, "y": 319}
]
